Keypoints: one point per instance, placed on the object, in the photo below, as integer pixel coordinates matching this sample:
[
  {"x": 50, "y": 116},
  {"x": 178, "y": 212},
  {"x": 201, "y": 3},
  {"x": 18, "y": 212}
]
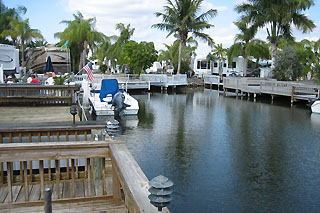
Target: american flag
[{"x": 88, "y": 69}]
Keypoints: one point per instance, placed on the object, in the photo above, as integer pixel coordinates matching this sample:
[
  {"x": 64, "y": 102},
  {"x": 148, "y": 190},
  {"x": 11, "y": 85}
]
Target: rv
[
  {"x": 36, "y": 59},
  {"x": 9, "y": 59},
  {"x": 202, "y": 66}
]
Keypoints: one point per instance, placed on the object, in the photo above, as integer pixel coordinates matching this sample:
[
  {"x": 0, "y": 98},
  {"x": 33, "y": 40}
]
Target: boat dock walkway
[
  {"x": 144, "y": 81},
  {"x": 259, "y": 86}
]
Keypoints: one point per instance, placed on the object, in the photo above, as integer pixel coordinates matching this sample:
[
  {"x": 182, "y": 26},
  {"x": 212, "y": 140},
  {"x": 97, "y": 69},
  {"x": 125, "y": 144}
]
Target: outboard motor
[{"x": 118, "y": 103}]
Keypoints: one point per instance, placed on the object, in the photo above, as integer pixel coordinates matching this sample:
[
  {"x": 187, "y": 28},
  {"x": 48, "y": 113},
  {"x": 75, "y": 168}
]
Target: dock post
[
  {"x": 292, "y": 95},
  {"x": 241, "y": 93},
  {"x": 237, "y": 91},
  {"x": 47, "y": 200},
  {"x": 272, "y": 97},
  {"x": 248, "y": 96},
  {"x": 254, "y": 97}
]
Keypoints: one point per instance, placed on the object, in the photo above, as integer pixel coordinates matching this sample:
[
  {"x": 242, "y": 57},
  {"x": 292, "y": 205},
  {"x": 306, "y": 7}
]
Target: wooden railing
[
  {"x": 38, "y": 94},
  {"x": 75, "y": 164}
]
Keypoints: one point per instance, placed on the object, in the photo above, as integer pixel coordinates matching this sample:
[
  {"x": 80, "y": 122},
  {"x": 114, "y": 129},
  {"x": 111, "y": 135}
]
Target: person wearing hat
[{"x": 10, "y": 80}]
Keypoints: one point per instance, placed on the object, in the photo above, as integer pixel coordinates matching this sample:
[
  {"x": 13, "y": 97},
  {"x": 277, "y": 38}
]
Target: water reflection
[{"x": 229, "y": 155}]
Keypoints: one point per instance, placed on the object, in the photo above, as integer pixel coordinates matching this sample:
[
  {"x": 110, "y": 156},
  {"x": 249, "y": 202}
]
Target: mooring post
[
  {"x": 47, "y": 200},
  {"x": 292, "y": 95},
  {"x": 254, "y": 97},
  {"x": 272, "y": 97}
]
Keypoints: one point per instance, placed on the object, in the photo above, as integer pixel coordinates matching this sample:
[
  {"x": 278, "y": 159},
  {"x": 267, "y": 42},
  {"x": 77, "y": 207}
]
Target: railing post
[{"x": 47, "y": 200}]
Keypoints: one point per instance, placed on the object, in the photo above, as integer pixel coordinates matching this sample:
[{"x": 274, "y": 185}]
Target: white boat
[
  {"x": 109, "y": 100},
  {"x": 315, "y": 107}
]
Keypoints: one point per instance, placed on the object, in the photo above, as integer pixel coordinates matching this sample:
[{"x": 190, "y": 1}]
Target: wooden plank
[
  {"x": 67, "y": 190},
  {"x": 104, "y": 189},
  {"x": 115, "y": 184},
  {"x": 26, "y": 186},
  {"x": 9, "y": 179},
  {"x": 41, "y": 178},
  {"x": 89, "y": 177},
  {"x": 53, "y": 150},
  {"x": 34, "y": 193},
  {"x": 3, "y": 193},
  {"x": 57, "y": 191},
  {"x": 57, "y": 165},
  {"x": 80, "y": 189},
  {"x": 15, "y": 193},
  {"x": 133, "y": 181},
  {"x": 73, "y": 179}
]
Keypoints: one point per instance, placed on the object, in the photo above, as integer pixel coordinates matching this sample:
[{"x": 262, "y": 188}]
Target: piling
[{"x": 47, "y": 200}]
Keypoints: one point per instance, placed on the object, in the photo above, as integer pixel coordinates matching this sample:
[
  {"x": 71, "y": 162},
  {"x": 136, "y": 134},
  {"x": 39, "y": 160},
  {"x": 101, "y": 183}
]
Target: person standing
[
  {"x": 34, "y": 80},
  {"x": 10, "y": 80}
]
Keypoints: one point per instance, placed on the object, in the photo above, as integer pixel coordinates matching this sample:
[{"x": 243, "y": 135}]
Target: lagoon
[{"x": 226, "y": 154}]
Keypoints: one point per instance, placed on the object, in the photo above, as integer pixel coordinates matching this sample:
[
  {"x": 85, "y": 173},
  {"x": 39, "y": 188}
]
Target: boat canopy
[{"x": 108, "y": 86}]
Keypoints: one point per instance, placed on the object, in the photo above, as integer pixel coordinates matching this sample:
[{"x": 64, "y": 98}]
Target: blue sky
[{"x": 46, "y": 16}]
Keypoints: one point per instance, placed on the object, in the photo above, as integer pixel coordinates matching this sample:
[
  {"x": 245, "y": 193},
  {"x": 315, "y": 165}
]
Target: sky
[{"x": 46, "y": 15}]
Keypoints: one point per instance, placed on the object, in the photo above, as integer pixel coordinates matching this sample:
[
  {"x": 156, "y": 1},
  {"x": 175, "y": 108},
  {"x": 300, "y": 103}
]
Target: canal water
[{"x": 226, "y": 154}]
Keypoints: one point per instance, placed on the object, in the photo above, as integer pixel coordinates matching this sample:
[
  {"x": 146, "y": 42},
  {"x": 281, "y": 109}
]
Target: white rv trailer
[
  {"x": 9, "y": 59},
  {"x": 202, "y": 66}
]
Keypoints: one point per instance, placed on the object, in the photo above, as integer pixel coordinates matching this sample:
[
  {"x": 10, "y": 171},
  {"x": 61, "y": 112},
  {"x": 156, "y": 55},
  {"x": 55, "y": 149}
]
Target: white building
[{"x": 202, "y": 66}]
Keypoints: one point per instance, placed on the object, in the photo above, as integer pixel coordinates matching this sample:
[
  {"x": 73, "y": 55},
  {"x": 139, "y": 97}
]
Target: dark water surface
[{"x": 229, "y": 155}]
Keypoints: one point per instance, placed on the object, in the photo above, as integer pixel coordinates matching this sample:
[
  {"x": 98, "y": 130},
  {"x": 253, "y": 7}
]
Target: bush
[
  {"x": 103, "y": 68},
  {"x": 287, "y": 66}
]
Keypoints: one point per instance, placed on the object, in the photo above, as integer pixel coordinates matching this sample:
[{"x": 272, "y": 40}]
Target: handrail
[{"x": 132, "y": 179}]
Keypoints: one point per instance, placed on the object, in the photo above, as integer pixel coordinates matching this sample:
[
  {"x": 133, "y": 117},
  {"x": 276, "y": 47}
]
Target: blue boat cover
[{"x": 108, "y": 86}]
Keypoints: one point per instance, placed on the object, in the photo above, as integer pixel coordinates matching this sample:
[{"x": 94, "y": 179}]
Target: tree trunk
[
  {"x": 274, "y": 48},
  {"x": 220, "y": 69},
  {"x": 84, "y": 52},
  {"x": 180, "y": 55},
  {"x": 22, "y": 53},
  {"x": 245, "y": 64}
]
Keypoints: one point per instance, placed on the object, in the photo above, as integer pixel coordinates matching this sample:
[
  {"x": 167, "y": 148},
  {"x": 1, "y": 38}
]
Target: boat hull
[
  {"x": 104, "y": 109},
  {"x": 315, "y": 107}
]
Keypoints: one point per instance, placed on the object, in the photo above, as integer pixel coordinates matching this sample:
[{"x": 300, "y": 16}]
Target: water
[{"x": 228, "y": 155}]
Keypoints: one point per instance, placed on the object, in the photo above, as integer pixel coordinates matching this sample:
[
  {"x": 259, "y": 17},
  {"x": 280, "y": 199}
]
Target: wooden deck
[
  {"x": 35, "y": 114},
  {"x": 85, "y": 173}
]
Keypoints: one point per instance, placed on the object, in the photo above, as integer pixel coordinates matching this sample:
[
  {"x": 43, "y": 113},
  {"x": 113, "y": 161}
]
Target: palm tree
[
  {"x": 220, "y": 54},
  {"x": 278, "y": 16},
  {"x": 21, "y": 34},
  {"x": 245, "y": 45},
  {"x": 181, "y": 17},
  {"x": 80, "y": 32},
  {"x": 115, "y": 50}
]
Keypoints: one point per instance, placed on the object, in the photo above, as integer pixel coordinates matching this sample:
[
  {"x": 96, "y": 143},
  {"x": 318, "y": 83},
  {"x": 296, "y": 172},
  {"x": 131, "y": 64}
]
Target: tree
[
  {"x": 220, "y": 54},
  {"x": 245, "y": 45},
  {"x": 7, "y": 15},
  {"x": 115, "y": 50},
  {"x": 171, "y": 55},
  {"x": 278, "y": 16},
  {"x": 139, "y": 56},
  {"x": 21, "y": 34},
  {"x": 287, "y": 67},
  {"x": 181, "y": 18},
  {"x": 80, "y": 32}
]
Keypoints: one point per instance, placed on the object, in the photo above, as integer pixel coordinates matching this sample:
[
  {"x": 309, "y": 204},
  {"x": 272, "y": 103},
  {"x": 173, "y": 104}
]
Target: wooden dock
[
  {"x": 85, "y": 171},
  {"x": 258, "y": 86},
  {"x": 144, "y": 81}
]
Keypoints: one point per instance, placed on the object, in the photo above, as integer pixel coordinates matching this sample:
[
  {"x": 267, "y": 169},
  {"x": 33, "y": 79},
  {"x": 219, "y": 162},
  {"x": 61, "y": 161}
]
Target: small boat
[
  {"x": 315, "y": 107},
  {"x": 109, "y": 100}
]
